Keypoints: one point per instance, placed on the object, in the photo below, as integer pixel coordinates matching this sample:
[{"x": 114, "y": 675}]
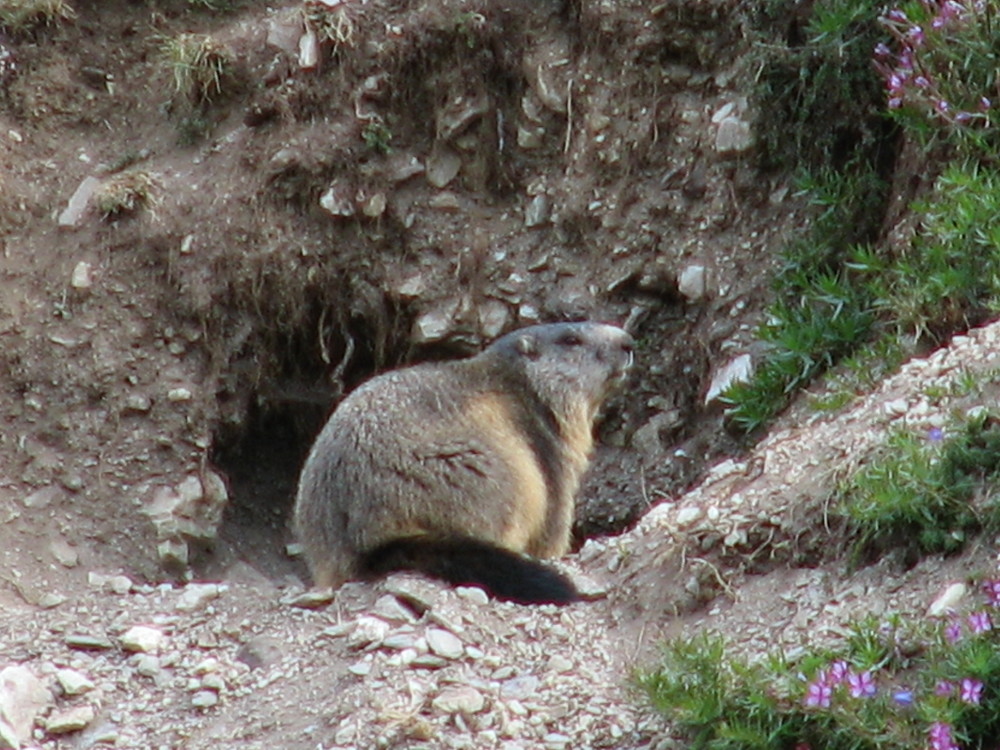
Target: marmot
[{"x": 462, "y": 469}]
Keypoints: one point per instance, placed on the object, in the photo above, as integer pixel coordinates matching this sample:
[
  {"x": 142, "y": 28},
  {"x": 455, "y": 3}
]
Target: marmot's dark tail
[{"x": 465, "y": 561}]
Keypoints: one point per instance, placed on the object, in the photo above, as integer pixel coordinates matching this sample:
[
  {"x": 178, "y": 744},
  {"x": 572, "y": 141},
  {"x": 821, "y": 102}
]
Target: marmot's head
[{"x": 569, "y": 365}]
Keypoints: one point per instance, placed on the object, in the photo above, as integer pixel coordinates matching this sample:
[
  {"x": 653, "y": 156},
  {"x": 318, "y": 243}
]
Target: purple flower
[
  {"x": 992, "y": 589},
  {"x": 942, "y": 106},
  {"x": 923, "y": 83},
  {"x": 970, "y": 691},
  {"x": 935, "y": 434},
  {"x": 944, "y": 688},
  {"x": 861, "y": 685},
  {"x": 963, "y": 117},
  {"x": 838, "y": 671},
  {"x": 896, "y": 83},
  {"x": 896, "y": 102},
  {"x": 897, "y": 15},
  {"x": 903, "y": 697},
  {"x": 916, "y": 35},
  {"x": 985, "y": 104},
  {"x": 819, "y": 694},
  {"x": 979, "y": 622},
  {"x": 953, "y": 632},
  {"x": 940, "y": 737},
  {"x": 882, "y": 50}
]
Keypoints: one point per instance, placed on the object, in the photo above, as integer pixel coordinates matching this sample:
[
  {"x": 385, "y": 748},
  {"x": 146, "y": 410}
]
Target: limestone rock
[
  {"x": 445, "y": 644},
  {"x": 70, "y": 720},
  {"x": 77, "y": 206},
  {"x": 143, "y": 639},
  {"x": 463, "y": 699},
  {"x": 737, "y": 370},
  {"x": 73, "y": 682},
  {"x": 22, "y": 698}
]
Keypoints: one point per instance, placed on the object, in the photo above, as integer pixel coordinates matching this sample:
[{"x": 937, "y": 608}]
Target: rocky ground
[{"x": 432, "y": 174}]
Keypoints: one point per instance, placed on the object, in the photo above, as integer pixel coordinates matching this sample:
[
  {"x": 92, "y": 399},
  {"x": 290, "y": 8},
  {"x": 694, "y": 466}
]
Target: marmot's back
[{"x": 458, "y": 468}]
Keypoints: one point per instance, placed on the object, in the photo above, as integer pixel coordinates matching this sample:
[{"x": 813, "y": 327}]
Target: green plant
[
  {"x": 20, "y": 16},
  {"x": 198, "y": 64},
  {"x": 192, "y": 129},
  {"x": 377, "y": 137},
  {"x": 926, "y": 493},
  {"x": 892, "y": 685}
]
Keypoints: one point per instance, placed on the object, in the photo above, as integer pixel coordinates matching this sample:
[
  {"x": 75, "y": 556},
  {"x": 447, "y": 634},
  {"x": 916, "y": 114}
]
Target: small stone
[
  {"x": 81, "y": 277},
  {"x": 147, "y": 665},
  {"x": 178, "y": 394},
  {"x": 559, "y": 663},
  {"x": 204, "y": 699},
  {"x": 42, "y": 498},
  {"x": 733, "y": 136},
  {"x": 691, "y": 282},
  {"x": 64, "y": 553},
  {"x": 77, "y": 205},
  {"x": 436, "y": 324},
  {"x": 142, "y": 638},
  {"x": 399, "y": 641},
  {"x": 374, "y": 206},
  {"x": 214, "y": 682},
  {"x": 472, "y": 594},
  {"x": 71, "y": 720},
  {"x": 338, "y": 200},
  {"x": 947, "y": 599},
  {"x": 197, "y": 596},
  {"x": 23, "y": 697},
  {"x": 519, "y": 688},
  {"x": 308, "y": 50},
  {"x": 443, "y": 166},
  {"x": 361, "y": 668},
  {"x": 172, "y": 552},
  {"x": 737, "y": 370},
  {"x": 88, "y": 642},
  {"x": 459, "y": 699},
  {"x": 73, "y": 682},
  {"x": 187, "y": 244},
  {"x": 445, "y": 644},
  {"x": 312, "y": 599},
  {"x": 688, "y": 515},
  {"x": 428, "y": 661},
  {"x": 537, "y": 212},
  {"x": 138, "y": 402},
  {"x": 367, "y": 630},
  {"x": 390, "y": 608},
  {"x": 896, "y": 408}
]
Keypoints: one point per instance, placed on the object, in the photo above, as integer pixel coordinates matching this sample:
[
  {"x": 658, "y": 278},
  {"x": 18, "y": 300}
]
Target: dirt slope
[{"x": 447, "y": 171}]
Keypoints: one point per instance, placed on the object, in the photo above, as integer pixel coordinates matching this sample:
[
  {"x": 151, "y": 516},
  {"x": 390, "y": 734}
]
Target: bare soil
[{"x": 446, "y": 172}]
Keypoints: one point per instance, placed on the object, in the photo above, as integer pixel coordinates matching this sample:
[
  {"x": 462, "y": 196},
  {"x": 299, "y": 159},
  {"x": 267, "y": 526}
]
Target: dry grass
[
  {"x": 18, "y": 16},
  {"x": 125, "y": 193},
  {"x": 198, "y": 64}
]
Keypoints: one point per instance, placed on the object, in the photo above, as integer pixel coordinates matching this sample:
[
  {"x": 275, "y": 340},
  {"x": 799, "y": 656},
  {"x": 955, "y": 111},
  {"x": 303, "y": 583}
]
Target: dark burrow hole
[{"x": 262, "y": 465}]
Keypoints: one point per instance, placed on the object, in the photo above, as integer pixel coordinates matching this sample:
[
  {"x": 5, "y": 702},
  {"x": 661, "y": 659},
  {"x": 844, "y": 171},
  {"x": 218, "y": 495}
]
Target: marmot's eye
[{"x": 570, "y": 339}]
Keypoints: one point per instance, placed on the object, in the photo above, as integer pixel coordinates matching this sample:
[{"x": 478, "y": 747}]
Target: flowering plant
[{"x": 939, "y": 66}]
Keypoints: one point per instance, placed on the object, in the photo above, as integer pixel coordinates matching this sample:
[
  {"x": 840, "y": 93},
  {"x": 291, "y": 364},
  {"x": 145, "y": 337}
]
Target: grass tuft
[
  {"x": 198, "y": 64},
  {"x": 22, "y": 16},
  {"x": 125, "y": 193}
]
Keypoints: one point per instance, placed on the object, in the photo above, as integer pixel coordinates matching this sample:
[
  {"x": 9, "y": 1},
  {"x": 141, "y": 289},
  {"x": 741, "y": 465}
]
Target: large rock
[{"x": 23, "y": 697}]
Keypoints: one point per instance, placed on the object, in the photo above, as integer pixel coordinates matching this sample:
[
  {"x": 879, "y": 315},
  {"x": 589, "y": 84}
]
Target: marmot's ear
[{"x": 527, "y": 346}]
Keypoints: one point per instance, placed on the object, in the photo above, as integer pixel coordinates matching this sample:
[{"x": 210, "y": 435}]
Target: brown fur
[{"x": 490, "y": 449}]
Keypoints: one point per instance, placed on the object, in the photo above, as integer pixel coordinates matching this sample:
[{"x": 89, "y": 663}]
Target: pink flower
[
  {"x": 979, "y": 622},
  {"x": 953, "y": 632},
  {"x": 861, "y": 685},
  {"x": 940, "y": 737},
  {"x": 838, "y": 671},
  {"x": 944, "y": 688},
  {"x": 992, "y": 589},
  {"x": 819, "y": 695},
  {"x": 971, "y": 691}
]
